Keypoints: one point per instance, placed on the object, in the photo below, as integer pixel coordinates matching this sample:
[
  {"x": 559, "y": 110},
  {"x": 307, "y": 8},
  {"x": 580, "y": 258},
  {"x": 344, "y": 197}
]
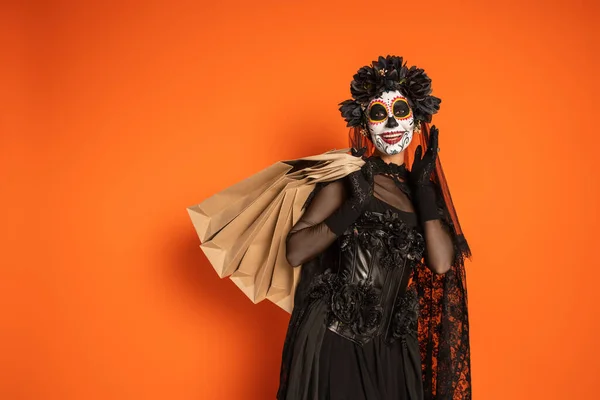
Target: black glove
[
  {"x": 420, "y": 179},
  {"x": 360, "y": 189}
]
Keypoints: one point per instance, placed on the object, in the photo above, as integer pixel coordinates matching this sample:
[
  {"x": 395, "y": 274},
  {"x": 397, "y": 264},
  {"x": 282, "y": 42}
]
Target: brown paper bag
[
  {"x": 245, "y": 238},
  {"x": 263, "y": 280},
  {"x": 218, "y": 210},
  {"x": 256, "y": 268},
  {"x": 226, "y": 248},
  {"x": 283, "y": 280},
  {"x": 257, "y": 253},
  {"x": 246, "y": 213}
]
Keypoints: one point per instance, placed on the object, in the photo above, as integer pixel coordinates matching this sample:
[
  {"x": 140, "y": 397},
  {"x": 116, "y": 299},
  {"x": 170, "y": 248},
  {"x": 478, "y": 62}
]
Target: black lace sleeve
[{"x": 310, "y": 236}]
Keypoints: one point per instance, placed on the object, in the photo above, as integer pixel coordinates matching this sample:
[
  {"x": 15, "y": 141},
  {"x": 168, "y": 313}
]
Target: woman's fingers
[{"x": 418, "y": 153}]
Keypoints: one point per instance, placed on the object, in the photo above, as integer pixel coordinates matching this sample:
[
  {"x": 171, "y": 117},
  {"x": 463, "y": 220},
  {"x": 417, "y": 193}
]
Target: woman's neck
[{"x": 397, "y": 159}]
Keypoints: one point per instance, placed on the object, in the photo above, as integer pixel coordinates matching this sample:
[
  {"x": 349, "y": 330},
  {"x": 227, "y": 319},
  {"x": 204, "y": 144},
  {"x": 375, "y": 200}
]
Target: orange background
[{"x": 115, "y": 118}]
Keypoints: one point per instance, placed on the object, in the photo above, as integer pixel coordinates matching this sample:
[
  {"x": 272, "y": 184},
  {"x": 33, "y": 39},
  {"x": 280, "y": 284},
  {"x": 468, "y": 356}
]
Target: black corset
[{"x": 365, "y": 284}]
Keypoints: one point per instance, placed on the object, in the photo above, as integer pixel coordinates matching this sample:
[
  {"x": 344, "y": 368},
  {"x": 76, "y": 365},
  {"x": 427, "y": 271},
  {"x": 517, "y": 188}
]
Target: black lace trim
[
  {"x": 398, "y": 173},
  {"x": 381, "y": 167}
]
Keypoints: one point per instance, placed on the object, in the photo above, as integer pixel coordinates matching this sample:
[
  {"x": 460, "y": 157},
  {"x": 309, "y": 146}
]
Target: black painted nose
[{"x": 391, "y": 122}]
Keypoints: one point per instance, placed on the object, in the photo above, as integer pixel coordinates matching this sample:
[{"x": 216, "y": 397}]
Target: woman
[{"x": 380, "y": 311}]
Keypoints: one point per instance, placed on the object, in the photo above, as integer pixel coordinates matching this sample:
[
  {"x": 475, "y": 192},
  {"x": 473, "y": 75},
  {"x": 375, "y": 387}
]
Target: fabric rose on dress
[
  {"x": 392, "y": 258},
  {"x": 324, "y": 285},
  {"x": 417, "y": 249},
  {"x": 370, "y": 317},
  {"x": 356, "y": 305},
  {"x": 406, "y": 315},
  {"x": 346, "y": 303},
  {"x": 389, "y": 235}
]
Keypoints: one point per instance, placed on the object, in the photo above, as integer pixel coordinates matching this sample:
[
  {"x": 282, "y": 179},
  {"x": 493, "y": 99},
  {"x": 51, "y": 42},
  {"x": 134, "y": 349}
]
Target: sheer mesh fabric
[
  {"x": 439, "y": 247},
  {"x": 386, "y": 190},
  {"x": 310, "y": 236}
]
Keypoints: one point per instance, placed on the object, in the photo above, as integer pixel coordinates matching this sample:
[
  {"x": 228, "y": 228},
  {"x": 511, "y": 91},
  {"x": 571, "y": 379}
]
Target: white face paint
[{"x": 391, "y": 122}]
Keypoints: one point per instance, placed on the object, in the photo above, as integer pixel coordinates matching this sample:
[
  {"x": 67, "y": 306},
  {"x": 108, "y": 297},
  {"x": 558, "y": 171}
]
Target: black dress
[{"x": 353, "y": 331}]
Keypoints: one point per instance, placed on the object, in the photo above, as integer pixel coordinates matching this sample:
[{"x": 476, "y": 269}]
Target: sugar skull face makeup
[{"x": 391, "y": 122}]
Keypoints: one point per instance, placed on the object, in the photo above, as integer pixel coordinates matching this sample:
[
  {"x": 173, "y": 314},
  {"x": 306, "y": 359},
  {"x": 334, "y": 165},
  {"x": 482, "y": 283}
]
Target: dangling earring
[
  {"x": 417, "y": 128},
  {"x": 363, "y": 132}
]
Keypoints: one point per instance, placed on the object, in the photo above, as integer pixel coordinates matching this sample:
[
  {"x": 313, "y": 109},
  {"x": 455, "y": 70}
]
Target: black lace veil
[{"x": 443, "y": 315}]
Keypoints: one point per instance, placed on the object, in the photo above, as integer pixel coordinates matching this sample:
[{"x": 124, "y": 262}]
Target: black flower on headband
[{"x": 387, "y": 74}]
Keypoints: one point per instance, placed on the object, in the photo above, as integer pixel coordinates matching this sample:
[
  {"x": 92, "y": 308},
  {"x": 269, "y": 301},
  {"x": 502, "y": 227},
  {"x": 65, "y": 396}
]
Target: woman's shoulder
[{"x": 330, "y": 192}]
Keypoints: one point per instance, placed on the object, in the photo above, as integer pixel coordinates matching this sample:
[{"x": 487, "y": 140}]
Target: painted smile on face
[{"x": 390, "y": 122}]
